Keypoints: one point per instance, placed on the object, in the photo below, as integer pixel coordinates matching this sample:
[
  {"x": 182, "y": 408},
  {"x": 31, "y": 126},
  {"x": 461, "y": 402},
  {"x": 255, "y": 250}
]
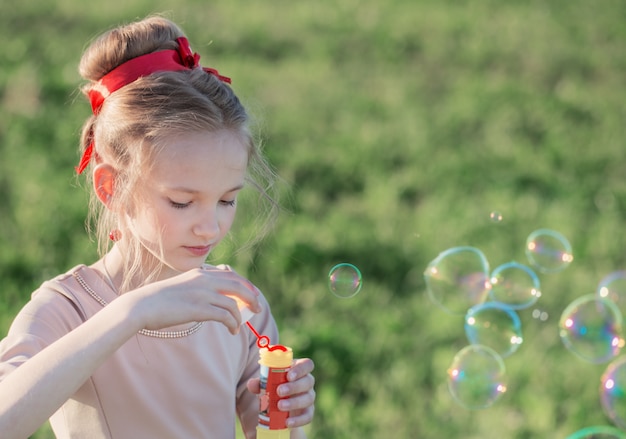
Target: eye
[
  {"x": 229, "y": 203},
  {"x": 176, "y": 205}
]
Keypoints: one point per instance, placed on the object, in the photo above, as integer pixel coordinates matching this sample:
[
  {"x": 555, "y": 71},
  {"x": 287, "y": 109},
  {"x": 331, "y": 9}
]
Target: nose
[{"x": 208, "y": 225}]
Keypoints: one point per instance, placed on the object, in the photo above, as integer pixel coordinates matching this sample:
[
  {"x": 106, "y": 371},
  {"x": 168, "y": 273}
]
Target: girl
[{"x": 147, "y": 341}]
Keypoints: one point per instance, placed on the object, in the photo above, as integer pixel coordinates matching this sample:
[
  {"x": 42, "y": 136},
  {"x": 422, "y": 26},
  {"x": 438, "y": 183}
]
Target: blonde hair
[{"x": 140, "y": 116}]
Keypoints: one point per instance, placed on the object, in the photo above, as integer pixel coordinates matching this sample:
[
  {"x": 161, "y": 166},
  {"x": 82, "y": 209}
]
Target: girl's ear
[{"x": 104, "y": 183}]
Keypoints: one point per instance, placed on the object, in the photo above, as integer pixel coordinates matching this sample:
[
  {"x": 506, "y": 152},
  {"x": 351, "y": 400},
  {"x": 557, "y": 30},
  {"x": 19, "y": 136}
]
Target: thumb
[{"x": 254, "y": 385}]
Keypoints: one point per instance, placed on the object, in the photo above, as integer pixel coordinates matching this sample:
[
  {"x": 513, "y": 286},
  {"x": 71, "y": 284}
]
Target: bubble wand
[{"x": 275, "y": 361}]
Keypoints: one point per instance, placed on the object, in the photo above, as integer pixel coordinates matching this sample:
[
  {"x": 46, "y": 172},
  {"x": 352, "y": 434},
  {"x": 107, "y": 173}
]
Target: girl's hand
[
  {"x": 298, "y": 393},
  {"x": 196, "y": 295}
]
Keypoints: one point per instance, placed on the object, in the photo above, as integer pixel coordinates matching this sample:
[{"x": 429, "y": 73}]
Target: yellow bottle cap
[{"x": 276, "y": 357}]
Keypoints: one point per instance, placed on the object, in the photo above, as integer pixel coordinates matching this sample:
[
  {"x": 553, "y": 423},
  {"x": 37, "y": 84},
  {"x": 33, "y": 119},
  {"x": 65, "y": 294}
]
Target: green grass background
[{"x": 398, "y": 127}]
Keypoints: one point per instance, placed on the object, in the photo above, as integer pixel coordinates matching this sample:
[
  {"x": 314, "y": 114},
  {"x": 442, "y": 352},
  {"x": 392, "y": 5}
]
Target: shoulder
[
  {"x": 53, "y": 309},
  {"x": 45, "y": 318}
]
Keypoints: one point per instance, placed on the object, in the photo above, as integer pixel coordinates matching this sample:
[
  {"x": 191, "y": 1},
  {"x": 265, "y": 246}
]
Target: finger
[
  {"x": 209, "y": 293},
  {"x": 301, "y": 401},
  {"x": 231, "y": 284},
  {"x": 301, "y": 418},
  {"x": 230, "y": 281},
  {"x": 243, "y": 301},
  {"x": 301, "y": 367},
  {"x": 301, "y": 385},
  {"x": 254, "y": 385},
  {"x": 218, "y": 308},
  {"x": 241, "y": 285},
  {"x": 228, "y": 316},
  {"x": 244, "y": 309}
]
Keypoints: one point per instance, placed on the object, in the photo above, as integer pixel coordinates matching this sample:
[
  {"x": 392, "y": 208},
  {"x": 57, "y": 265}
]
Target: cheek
[
  {"x": 227, "y": 219},
  {"x": 148, "y": 222}
]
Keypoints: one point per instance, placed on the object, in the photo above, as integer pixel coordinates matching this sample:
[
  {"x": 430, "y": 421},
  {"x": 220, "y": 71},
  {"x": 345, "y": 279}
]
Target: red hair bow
[{"x": 165, "y": 60}]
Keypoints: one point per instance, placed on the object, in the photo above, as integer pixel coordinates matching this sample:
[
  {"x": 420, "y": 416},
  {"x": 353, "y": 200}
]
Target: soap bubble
[
  {"x": 495, "y": 216},
  {"x": 613, "y": 391},
  {"x": 476, "y": 377},
  {"x": 548, "y": 250},
  {"x": 515, "y": 285},
  {"x": 458, "y": 279},
  {"x": 598, "y": 432},
  {"x": 591, "y": 328},
  {"x": 613, "y": 287},
  {"x": 494, "y": 325},
  {"x": 539, "y": 314},
  {"x": 344, "y": 280}
]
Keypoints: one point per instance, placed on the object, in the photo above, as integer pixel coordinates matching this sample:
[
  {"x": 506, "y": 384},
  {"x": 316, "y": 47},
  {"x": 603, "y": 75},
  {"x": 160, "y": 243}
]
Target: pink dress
[{"x": 187, "y": 387}]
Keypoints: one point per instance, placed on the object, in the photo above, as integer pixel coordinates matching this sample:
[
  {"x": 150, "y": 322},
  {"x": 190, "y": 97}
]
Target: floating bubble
[
  {"x": 458, "y": 279},
  {"x": 548, "y": 250},
  {"x": 598, "y": 432},
  {"x": 613, "y": 287},
  {"x": 540, "y": 315},
  {"x": 476, "y": 377},
  {"x": 494, "y": 325},
  {"x": 495, "y": 216},
  {"x": 591, "y": 328},
  {"x": 515, "y": 285},
  {"x": 613, "y": 392},
  {"x": 344, "y": 280}
]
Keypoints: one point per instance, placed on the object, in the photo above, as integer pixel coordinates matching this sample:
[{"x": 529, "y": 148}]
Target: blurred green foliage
[{"x": 398, "y": 127}]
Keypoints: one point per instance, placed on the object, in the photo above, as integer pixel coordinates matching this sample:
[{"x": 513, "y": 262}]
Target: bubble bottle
[{"x": 275, "y": 362}]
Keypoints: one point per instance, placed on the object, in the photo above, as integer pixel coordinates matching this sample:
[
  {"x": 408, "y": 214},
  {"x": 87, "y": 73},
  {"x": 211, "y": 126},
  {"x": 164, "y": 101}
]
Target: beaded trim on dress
[{"x": 146, "y": 332}]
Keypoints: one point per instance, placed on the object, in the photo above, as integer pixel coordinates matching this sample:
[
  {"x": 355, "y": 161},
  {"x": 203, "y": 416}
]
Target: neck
[
  {"x": 112, "y": 265},
  {"x": 113, "y": 268}
]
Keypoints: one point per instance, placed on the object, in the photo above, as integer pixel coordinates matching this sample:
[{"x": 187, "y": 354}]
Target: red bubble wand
[{"x": 263, "y": 341}]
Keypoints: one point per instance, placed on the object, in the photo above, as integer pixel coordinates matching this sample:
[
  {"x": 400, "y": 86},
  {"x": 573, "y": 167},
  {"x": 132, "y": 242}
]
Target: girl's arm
[
  {"x": 36, "y": 389},
  {"x": 30, "y": 394}
]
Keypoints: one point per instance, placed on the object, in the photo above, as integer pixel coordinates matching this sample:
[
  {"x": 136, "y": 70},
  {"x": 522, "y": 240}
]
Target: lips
[{"x": 198, "y": 250}]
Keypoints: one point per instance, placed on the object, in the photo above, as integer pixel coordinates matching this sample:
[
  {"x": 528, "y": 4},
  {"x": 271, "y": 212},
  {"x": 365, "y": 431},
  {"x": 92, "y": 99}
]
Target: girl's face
[{"x": 187, "y": 200}]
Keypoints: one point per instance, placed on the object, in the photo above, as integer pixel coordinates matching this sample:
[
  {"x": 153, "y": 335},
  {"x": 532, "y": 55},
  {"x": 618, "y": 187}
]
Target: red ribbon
[
  {"x": 85, "y": 159},
  {"x": 144, "y": 65}
]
